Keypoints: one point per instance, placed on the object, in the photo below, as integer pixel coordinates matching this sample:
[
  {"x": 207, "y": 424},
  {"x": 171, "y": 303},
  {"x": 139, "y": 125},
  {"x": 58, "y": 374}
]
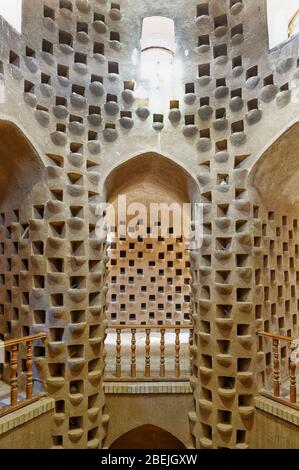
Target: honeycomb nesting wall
[
  {"x": 149, "y": 281},
  {"x": 276, "y": 279},
  {"x": 22, "y": 277},
  {"x": 69, "y": 84}
]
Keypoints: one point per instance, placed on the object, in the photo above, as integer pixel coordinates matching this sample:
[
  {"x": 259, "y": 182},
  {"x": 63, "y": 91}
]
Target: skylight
[{"x": 157, "y": 47}]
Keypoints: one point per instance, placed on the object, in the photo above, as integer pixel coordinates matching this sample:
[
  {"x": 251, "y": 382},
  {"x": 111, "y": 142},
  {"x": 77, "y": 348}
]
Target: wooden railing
[
  {"x": 157, "y": 371},
  {"x": 13, "y": 344},
  {"x": 293, "y": 344}
]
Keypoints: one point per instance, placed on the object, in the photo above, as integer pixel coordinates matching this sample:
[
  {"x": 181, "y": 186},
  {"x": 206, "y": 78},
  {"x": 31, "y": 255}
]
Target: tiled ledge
[
  {"x": 277, "y": 409},
  {"x": 146, "y": 387},
  {"x": 23, "y": 415}
]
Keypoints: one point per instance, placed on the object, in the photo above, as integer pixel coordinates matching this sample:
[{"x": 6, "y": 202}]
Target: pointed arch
[
  {"x": 21, "y": 167},
  {"x": 154, "y": 168},
  {"x": 147, "y": 437},
  {"x": 275, "y": 175},
  {"x": 147, "y": 180}
]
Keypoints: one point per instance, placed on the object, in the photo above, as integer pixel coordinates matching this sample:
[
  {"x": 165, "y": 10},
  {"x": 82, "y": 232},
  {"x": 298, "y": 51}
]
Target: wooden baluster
[
  {"x": 177, "y": 352},
  {"x": 190, "y": 345},
  {"x": 14, "y": 375},
  {"x": 133, "y": 353},
  {"x": 147, "y": 371},
  {"x": 29, "y": 384},
  {"x": 162, "y": 353},
  {"x": 276, "y": 368},
  {"x": 118, "y": 354},
  {"x": 293, "y": 386}
]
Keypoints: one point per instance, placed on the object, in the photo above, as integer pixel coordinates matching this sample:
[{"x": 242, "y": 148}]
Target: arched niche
[
  {"x": 147, "y": 437},
  {"x": 274, "y": 178},
  {"x": 21, "y": 168},
  {"x": 151, "y": 176},
  {"x": 137, "y": 291}
]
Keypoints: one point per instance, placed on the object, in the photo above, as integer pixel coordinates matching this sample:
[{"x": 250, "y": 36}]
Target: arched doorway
[
  {"x": 149, "y": 280},
  {"x": 274, "y": 182},
  {"x": 147, "y": 437}
]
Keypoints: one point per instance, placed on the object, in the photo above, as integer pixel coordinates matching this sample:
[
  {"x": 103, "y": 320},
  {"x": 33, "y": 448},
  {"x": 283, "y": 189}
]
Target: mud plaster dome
[{"x": 70, "y": 116}]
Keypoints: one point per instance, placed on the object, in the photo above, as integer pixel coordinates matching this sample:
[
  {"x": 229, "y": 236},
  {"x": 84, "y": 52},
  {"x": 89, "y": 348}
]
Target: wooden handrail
[
  {"x": 14, "y": 345},
  {"x": 150, "y": 327},
  {"x": 24, "y": 339},
  {"x": 149, "y": 371},
  {"x": 276, "y": 336},
  {"x": 293, "y": 344}
]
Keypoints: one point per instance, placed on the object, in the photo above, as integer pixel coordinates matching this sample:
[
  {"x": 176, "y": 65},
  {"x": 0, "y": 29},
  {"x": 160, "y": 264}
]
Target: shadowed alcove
[
  {"x": 274, "y": 182},
  {"x": 149, "y": 277},
  {"x": 20, "y": 165},
  {"x": 151, "y": 177},
  {"x": 147, "y": 437},
  {"x": 275, "y": 176}
]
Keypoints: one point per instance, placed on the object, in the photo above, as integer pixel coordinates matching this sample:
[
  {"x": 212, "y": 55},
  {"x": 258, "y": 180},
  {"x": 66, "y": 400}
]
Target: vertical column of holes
[
  {"x": 68, "y": 293},
  {"x": 203, "y": 317},
  {"x": 77, "y": 299},
  {"x": 39, "y": 297},
  {"x": 21, "y": 297},
  {"x": 242, "y": 312},
  {"x": 95, "y": 272},
  {"x": 55, "y": 250},
  {"x": 243, "y": 345}
]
